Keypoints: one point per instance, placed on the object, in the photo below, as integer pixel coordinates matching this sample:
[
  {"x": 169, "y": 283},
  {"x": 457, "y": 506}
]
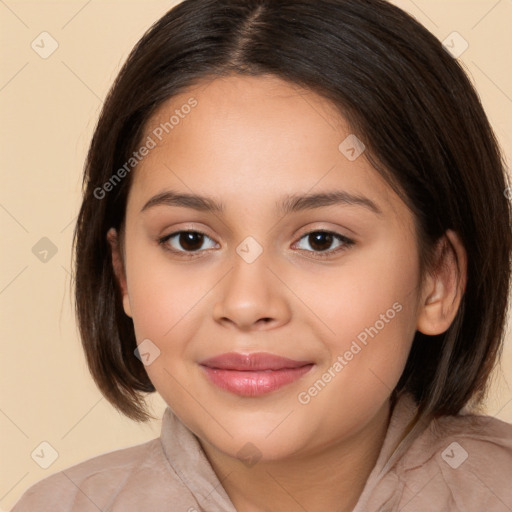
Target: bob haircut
[{"x": 402, "y": 93}]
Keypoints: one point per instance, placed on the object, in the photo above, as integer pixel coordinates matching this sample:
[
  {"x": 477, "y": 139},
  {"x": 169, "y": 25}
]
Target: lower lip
[{"x": 247, "y": 383}]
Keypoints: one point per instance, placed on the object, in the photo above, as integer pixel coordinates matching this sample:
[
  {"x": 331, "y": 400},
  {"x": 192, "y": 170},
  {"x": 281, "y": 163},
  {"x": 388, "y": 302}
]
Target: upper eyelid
[
  {"x": 299, "y": 237},
  {"x": 199, "y": 231}
]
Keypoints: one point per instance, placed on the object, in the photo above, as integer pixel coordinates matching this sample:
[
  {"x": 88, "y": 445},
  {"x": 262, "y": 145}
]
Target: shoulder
[
  {"x": 92, "y": 483},
  {"x": 462, "y": 463}
]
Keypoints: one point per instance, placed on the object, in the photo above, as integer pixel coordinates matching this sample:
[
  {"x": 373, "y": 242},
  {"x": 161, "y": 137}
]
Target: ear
[
  {"x": 119, "y": 270},
  {"x": 444, "y": 286}
]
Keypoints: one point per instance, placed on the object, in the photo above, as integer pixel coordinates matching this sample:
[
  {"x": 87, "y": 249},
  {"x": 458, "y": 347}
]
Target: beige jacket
[{"x": 458, "y": 464}]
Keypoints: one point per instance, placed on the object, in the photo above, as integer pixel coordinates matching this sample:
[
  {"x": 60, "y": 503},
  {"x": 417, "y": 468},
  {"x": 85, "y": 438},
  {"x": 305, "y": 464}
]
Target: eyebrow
[{"x": 288, "y": 204}]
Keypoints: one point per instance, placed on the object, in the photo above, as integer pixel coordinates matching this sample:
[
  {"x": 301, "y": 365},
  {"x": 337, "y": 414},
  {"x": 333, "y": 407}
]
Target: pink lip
[{"x": 253, "y": 374}]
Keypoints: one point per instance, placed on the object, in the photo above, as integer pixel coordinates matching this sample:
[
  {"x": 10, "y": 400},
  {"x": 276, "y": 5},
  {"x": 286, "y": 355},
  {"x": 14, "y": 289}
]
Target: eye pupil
[
  {"x": 191, "y": 241},
  {"x": 317, "y": 241}
]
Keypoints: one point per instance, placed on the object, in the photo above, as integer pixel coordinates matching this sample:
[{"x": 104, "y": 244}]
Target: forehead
[{"x": 251, "y": 140}]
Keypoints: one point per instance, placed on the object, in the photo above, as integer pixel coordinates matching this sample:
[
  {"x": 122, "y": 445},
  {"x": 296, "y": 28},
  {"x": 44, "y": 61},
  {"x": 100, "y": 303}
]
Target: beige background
[{"x": 48, "y": 109}]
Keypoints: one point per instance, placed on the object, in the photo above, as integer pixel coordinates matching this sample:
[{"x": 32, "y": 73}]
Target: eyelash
[{"x": 347, "y": 243}]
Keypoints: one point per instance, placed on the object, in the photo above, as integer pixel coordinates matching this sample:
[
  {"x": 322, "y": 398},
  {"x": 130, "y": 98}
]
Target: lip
[{"x": 253, "y": 374}]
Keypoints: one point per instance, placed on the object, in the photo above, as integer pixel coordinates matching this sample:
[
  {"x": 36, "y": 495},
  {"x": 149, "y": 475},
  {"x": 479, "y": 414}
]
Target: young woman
[{"x": 295, "y": 229}]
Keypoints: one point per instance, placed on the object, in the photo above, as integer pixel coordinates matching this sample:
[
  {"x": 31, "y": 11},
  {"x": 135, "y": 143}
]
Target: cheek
[
  {"x": 370, "y": 311},
  {"x": 162, "y": 296},
  {"x": 363, "y": 292},
  {"x": 166, "y": 309},
  {"x": 373, "y": 318}
]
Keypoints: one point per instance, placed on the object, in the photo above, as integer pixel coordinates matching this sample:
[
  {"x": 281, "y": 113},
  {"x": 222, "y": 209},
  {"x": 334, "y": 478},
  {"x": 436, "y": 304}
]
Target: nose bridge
[
  {"x": 250, "y": 275},
  {"x": 251, "y": 292}
]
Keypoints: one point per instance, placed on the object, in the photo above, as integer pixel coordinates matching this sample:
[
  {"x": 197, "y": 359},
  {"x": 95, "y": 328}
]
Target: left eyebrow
[
  {"x": 288, "y": 204},
  {"x": 296, "y": 203}
]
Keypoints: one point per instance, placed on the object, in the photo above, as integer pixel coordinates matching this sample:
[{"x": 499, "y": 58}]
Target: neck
[{"x": 330, "y": 478}]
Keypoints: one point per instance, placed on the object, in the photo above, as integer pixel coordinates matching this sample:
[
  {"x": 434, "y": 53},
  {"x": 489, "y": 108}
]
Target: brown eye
[
  {"x": 185, "y": 241},
  {"x": 321, "y": 242},
  {"x": 190, "y": 241}
]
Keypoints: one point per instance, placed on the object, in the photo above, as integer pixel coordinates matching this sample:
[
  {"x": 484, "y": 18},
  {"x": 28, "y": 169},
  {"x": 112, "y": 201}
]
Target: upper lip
[{"x": 256, "y": 361}]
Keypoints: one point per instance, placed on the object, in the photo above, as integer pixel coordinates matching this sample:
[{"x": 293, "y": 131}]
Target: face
[{"x": 329, "y": 284}]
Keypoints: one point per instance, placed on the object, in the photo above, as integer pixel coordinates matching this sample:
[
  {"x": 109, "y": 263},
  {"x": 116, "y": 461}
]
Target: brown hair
[{"x": 402, "y": 93}]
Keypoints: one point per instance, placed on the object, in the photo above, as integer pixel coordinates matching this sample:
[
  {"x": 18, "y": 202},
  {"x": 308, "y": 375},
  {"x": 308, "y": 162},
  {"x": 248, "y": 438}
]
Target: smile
[{"x": 253, "y": 374}]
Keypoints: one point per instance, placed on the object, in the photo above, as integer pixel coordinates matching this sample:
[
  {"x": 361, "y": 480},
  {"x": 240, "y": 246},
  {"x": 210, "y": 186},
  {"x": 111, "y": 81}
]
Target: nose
[{"x": 252, "y": 297}]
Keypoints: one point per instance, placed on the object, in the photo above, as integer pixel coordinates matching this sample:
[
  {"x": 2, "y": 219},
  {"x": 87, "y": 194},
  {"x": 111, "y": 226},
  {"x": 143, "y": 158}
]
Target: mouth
[{"x": 253, "y": 374}]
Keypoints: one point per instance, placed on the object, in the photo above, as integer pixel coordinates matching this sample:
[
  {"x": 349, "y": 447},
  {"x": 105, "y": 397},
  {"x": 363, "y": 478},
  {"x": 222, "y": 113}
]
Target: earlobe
[
  {"x": 119, "y": 270},
  {"x": 444, "y": 286}
]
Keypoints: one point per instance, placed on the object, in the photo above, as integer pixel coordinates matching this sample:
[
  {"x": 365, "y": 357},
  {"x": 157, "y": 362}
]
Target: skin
[{"x": 249, "y": 142}]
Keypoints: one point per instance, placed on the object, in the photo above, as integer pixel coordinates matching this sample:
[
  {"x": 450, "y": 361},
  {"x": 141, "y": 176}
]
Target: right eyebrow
[{"x": 196, "y": 202}]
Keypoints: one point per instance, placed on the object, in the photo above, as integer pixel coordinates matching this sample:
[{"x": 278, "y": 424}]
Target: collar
[{"x": 186, "y": 456}]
